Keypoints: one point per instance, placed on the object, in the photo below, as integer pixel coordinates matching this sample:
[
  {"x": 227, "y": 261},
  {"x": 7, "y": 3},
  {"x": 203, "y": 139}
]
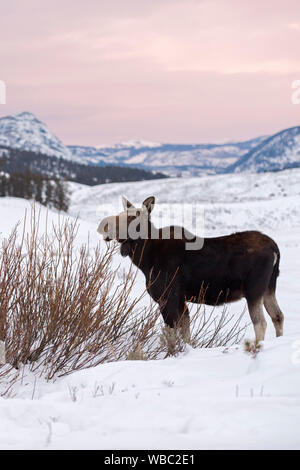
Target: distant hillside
[
  {"x": 24, "y": 131},
  {"x": 173, "y": 159},
  {"x": 278, "y": 152},
  {"x": 14, "y": 160}
]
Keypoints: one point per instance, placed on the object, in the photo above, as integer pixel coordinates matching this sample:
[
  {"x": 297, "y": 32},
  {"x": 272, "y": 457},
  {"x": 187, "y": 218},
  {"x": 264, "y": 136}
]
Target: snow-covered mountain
[
  {"x": 277, "y": 152},
  {"x": 172, "y": 159},
  {"x": 24, "y": 131},
  {"x": 131, "y": 143}
]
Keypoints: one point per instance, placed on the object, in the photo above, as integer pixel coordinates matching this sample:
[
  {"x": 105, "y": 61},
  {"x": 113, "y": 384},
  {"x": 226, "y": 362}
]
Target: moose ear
[
  {"x": 126, "y": 203},
  {"x": 149, "y": 203}
]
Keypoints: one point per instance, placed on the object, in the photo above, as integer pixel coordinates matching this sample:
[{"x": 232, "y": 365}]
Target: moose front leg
[
  {"x": 185, "y": 326},
  {"x": 176, "y": 315}
]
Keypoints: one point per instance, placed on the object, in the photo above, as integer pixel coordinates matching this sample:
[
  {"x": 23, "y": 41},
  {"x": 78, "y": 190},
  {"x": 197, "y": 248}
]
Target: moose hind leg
[
  {"x": 273, "y": 309},
  {"x": 257, "y": 316}
]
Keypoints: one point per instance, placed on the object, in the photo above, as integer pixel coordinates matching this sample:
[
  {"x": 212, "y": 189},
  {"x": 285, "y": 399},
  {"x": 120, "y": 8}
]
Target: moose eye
[{"x": 138, "y": 213}]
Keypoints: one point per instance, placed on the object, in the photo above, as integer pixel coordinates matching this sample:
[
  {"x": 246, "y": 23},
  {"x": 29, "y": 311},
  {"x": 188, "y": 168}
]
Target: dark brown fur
[{"x": 225, "y": 269}]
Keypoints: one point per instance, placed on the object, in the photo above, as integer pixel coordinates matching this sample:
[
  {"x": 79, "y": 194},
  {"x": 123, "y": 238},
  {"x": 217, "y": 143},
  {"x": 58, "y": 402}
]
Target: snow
[
  {"x": 281, "y": 150},
  {"x": 218, "y": 398},
  {"x": 263, "y": 201},
  {"x": 188, "y": 159},
  {"x": 24, "y": 131},
  {"x": 137, "y": 144},
  {"x": 203, "y": 399}
]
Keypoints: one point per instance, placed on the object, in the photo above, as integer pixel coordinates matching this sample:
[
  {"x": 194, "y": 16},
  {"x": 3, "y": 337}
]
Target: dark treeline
[
  {"x": 29, "y": 185},
  {"x": 15, "y": 160},
  {"x": 37, "y": 176}
]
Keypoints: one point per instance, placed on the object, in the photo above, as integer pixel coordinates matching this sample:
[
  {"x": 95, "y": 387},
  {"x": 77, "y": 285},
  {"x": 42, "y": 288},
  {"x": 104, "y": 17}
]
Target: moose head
[{"x": 133, "y": 223}]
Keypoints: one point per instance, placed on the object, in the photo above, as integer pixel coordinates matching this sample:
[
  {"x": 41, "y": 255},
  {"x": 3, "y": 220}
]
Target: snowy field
[{"x": 215, "y": 398}]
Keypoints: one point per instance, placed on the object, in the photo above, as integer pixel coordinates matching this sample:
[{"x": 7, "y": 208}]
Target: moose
[{"x": 225, "y": 268}]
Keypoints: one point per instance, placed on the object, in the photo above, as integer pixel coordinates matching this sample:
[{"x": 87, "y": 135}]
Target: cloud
[{"x": 136, "y": 69}]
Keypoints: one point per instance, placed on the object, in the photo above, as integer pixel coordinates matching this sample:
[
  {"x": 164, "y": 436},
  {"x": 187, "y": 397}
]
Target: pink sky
[{"x": 105, "y": 71}]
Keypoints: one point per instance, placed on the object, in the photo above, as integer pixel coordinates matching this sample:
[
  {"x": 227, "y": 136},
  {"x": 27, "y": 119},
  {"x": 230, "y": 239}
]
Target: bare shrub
[
  {"x": 210, "y": 330},
  {"x": 63, "y": 308}
]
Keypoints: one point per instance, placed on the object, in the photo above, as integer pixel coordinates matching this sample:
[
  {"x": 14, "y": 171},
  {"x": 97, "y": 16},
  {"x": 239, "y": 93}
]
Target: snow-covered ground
[{"x": 207, "y": 398}]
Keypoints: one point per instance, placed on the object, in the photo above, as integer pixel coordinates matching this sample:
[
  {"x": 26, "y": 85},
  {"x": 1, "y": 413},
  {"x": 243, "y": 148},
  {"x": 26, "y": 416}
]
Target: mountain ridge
[
  {"x": 281, "y": 150},
  {"x": 277, "y": 152},
  {"x": 25, "y": 131},
  {"x": 192, "y": 159}
]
